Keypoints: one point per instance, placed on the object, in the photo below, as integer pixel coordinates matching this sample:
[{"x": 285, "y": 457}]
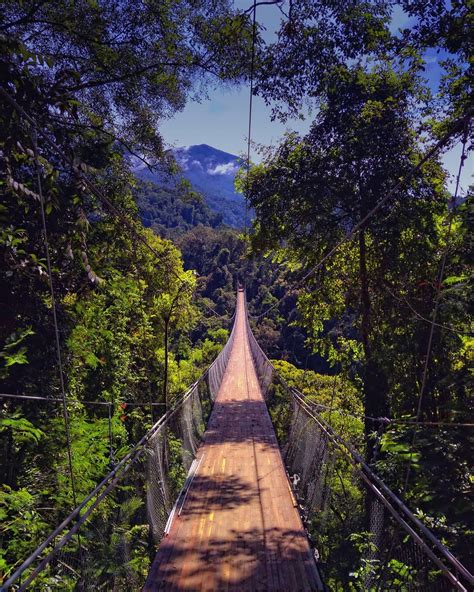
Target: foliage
[
  {"x": 367, "y": 309},
  {"x": 342, "y": 513},
  {"x": 120, "y": 303},
  {"x": 336, "y": 399},
  {"x": 365, "y": 286},
  {"x": 364, "y": 544},
  {"x": 127, "y": 65},
  {"x": 170, "y": 211},
  {"x": 22, "y": 524},
  {"x": 134, "y": 324},
  {"x": 318, "y": 37}
]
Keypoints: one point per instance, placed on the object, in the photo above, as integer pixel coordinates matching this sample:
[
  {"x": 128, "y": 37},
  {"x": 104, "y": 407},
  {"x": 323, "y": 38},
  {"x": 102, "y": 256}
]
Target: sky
[{"x": 221, "y": 120}]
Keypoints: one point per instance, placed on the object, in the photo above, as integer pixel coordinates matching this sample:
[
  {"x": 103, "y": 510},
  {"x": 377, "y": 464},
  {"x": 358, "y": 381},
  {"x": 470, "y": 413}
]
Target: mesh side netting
[
  {"x": 216, "y": 370},
  {"x": 336, "y": 503},
  {"x": 265, "y": 371},
  {"x": 357, "y": 541},
  {"x": 110, "y": 544}
]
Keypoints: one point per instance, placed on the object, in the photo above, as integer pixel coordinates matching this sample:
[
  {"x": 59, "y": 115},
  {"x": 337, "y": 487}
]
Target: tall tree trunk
[{"x": 375, "y": 383}]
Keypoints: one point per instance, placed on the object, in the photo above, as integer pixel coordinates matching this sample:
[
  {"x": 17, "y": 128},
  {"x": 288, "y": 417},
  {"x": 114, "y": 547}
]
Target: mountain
[{"x": 211, "y": 172}]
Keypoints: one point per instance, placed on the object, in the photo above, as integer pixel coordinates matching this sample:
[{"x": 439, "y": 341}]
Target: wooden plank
[{"x": 239, "y": 529}]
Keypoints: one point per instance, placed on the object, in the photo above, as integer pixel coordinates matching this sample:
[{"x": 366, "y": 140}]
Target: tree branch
[
  {"x": 25, "y": 19},
  {"x": 263, "y": 2}
]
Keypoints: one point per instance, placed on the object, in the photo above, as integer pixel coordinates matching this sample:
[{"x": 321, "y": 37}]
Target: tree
[
  {"x": 77, "y": 88},
  {"x": 315, "y": 189},
  {"x": 368, "y": 308},
  {"x": 445, "y": 29},
  {"x": 319, "y": 36},
  {"x": 79, "y": 85},
  {"x": 175, "y": 311},
  {"x": 127, "y": 65}
]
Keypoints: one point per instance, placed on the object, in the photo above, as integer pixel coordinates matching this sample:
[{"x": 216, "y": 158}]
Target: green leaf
[{"x": 23, "y": 430}]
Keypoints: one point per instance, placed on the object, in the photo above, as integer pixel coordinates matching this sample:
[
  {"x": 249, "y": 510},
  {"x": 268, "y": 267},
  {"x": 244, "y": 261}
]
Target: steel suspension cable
[
  {"x": 436, "y": 306},
  {"x": 389, "y": 420},
  {"x": 379, "y": 487},
  {"x": 55, "y": 318},
  {"x": 226, "y": 317},
  {"x": 459, "y": 124},
  {"x": 402, "y": 514}
]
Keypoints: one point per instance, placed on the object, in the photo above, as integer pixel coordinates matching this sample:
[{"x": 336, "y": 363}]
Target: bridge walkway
[{"x": 239, "y": 529}]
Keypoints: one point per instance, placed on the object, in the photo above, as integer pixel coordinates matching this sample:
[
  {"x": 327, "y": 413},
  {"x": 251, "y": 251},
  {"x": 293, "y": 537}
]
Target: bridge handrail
[
  {"x": 120, "y": 469},
  {"x": 110, "y": 480},
  {"x": 369, "y": 476},
  {"x": 373, "y": 481}
]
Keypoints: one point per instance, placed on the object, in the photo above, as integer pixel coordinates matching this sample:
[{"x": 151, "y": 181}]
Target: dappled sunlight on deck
[{"x": 239, "y": 528}]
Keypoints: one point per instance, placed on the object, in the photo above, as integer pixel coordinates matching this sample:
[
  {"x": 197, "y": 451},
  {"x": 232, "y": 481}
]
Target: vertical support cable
[
  {"x": 436, "y": 304},
  {"x": 249, "y": 136},
  {"x": 55, "y": 318},
  {"x": 111, "y": 442}
]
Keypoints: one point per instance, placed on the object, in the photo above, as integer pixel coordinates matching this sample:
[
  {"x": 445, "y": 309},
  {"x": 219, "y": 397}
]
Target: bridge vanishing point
[
  {"x": 239, "y": 528},
  {"x": 237, "y": 523}
]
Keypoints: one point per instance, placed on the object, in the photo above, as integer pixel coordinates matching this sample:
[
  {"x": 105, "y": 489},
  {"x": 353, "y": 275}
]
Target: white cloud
[{"x": 224, "y": 169}]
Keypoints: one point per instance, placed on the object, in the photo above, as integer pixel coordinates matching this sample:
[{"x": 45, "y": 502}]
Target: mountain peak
[
  {"x": 211, "y": 172},
  {"x": 206, "y": 152}
]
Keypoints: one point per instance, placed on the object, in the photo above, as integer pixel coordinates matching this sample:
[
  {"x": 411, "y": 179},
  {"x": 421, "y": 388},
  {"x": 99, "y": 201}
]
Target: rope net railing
[
  {"x": 110, "y": 539},
  {"x": 363, "y": 534}
]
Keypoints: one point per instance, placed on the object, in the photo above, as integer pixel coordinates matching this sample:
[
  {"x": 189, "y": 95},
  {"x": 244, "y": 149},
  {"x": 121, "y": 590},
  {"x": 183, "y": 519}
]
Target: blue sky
[{"x": 222, "y": 119}]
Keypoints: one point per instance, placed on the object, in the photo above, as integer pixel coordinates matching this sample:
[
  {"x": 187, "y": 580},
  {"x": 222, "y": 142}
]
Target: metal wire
[
  {"x": 307, "y": 450},
  {"x": 55, "y": 318}
]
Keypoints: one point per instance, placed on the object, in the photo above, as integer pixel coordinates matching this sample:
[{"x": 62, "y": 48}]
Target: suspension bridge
[
  {"x": 255, "y": 513},
  {"x": 238, "y": 527},
  {"x": 246, "y": 515}
]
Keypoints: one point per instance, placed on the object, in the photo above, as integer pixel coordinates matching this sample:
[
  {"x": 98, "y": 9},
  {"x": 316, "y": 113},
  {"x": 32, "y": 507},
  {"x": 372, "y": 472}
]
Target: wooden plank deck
[{"x": 239, "y": 529}]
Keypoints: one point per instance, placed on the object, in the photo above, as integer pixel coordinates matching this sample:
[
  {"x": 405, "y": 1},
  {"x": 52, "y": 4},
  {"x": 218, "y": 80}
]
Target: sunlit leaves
[
  {"x": 14, "y": 351},
  {"x": 22, "y": 430}
]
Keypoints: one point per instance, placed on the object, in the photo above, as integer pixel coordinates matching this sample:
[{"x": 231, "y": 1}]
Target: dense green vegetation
[
  {"x": 144, "y": 277},
  {"x": 338, "y": 529},
  {"x": 169, "y": 211},
  {"x": 369, "y": 308},
  {"x": 94, "y": 79}
]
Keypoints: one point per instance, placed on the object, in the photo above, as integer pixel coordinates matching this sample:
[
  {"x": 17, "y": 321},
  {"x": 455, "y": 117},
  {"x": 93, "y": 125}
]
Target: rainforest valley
[{"x": 116, "y": 294}]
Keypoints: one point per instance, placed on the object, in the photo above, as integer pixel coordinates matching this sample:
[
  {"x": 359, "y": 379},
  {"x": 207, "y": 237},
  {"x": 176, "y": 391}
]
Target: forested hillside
[
  {"x": 171, "y": 211},
  {"x": 116, "y": 293},
  {"x": 210, "y": 173}
]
